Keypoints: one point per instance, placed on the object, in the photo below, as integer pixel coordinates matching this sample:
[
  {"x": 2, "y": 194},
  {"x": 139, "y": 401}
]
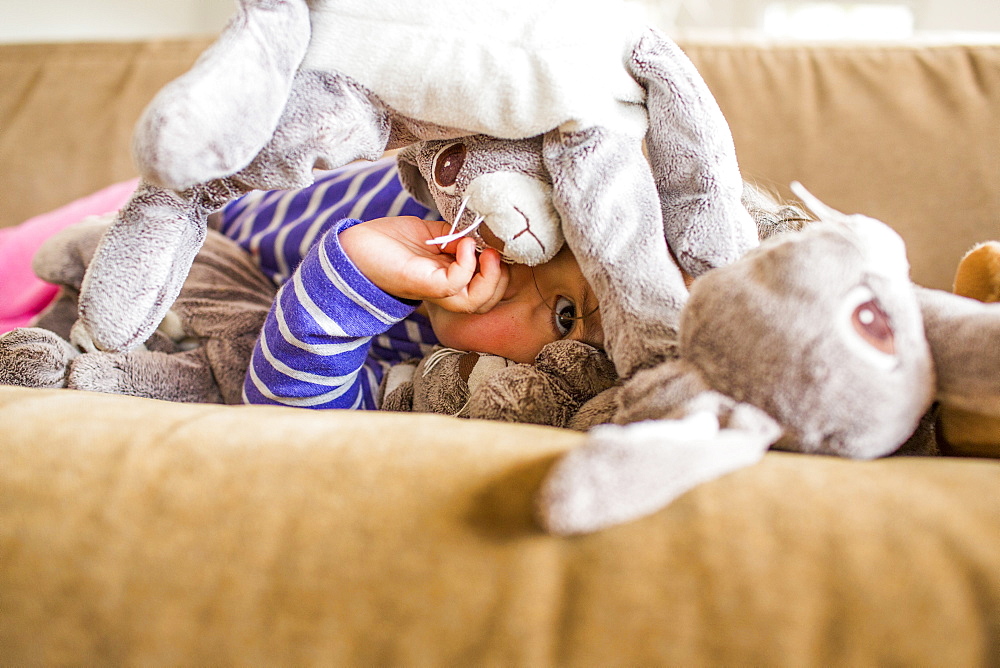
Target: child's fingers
[
  {"x": 463, "y": 270},
  {"x": 484, "y": 290},
  {"x": 487, "y": 287},
  {"x": 452, "y": 246}
]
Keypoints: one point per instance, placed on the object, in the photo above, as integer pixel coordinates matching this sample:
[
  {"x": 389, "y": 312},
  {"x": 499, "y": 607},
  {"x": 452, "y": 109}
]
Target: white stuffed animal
[{"x": 291, "y": 85}]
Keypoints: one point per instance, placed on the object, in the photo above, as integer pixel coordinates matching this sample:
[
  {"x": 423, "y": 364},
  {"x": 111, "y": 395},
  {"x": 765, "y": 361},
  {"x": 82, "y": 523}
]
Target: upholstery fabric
[
  {"x": 135, "y": 531},
  {"x": 905, "y": 133}
]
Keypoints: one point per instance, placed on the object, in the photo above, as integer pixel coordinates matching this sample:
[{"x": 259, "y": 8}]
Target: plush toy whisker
[
  {"x": 435, "y": 358},
  {"x": 448, "y": 238},
  {"x": 454, "y": 223}
]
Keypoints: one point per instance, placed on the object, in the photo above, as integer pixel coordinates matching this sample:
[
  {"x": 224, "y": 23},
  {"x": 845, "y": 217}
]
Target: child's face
[{"x": 556, "y": 303}]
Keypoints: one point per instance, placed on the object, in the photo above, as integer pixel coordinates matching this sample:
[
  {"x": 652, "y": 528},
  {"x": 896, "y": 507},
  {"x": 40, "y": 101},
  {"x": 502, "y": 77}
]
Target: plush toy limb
[
  {"x": 34, "y": 357},
  {"x": 964, "y": 335},
  {"x": 183, "y": 376},
  {"x": 693, "y": 159},
  {"x": 63, "y": 258},
  {"x": 565, "y": 375},
  {"x": 600, "y": 409},
  {"x": 328, "y": 122},
  {"x": 623, "y": 473},
  {"x": 618, "y": 241},
  {"x": 215, "y": 118},
  {"x": 60, "y": 315},
  {"x": 397, "y": 388},
  {"x": 659, "y": 392},
  {"x": 138, "y": 269},
  {"x": 142, "y": 261}
]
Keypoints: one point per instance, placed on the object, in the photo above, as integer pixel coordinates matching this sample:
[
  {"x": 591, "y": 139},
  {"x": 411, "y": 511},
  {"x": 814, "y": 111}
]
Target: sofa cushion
[{"x": 138, "y": 531}]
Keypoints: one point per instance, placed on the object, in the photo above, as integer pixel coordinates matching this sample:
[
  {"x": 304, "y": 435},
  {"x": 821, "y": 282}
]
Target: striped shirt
[{"x": 331, "y": 333}]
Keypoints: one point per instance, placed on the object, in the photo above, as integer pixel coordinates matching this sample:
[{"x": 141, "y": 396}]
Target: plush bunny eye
[
  {"x": 872, "y": 323},
  {"x": 447, "y": 164}
]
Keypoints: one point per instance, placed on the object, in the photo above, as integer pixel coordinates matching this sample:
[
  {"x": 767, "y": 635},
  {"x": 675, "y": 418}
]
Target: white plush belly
[{"x": 512, "y": 69}]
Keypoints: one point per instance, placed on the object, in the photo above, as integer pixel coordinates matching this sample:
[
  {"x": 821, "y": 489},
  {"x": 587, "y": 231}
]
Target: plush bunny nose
[
  {"x": 518, "y": 212},
  {"x": 492, "y": 240}
]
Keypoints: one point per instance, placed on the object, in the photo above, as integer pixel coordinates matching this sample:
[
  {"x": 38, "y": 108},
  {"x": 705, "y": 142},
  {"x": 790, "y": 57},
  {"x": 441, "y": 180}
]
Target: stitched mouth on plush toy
[{"x": 489, "y": 238}]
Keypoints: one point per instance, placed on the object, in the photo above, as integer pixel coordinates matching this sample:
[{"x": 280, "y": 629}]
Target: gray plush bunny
[
  {"x": 816, "y": 342},
  {"x": 292, "y": 85}
]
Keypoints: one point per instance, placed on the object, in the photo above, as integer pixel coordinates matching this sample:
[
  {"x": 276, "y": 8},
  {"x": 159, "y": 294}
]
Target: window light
[{"x": 838, "y": 20}]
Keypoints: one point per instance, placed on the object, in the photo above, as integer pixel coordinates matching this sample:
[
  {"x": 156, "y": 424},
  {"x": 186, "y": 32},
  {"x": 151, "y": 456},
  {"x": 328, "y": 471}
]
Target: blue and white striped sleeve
[{"x": 313, "y": 348}]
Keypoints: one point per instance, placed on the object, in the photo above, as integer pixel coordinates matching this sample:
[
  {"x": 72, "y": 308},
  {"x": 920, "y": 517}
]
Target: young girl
[
  {"x": 366, "y": 295},
  {"x": 357, "y": 297}
]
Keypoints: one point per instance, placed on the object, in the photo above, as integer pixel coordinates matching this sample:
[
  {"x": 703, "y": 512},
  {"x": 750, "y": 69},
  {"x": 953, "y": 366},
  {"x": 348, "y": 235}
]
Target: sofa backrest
[
  {"x": 67, "y": 113},
  {"x": 909, "y": 134}
]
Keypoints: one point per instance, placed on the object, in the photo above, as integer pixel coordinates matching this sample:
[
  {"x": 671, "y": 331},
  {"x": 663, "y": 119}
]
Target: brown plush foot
[{"x": 34, "y": 357}]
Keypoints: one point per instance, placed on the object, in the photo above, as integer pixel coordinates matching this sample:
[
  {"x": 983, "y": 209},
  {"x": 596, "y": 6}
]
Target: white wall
[
  {"x": 65, "y": 20},
  {"x": 972, "y": 15},
  {"x": 82, "y": 20},
  {"x": 930, "y": 15}
]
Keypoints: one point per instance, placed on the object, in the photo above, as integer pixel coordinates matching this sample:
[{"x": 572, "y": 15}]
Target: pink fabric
[{"x": 22, "y": 294}]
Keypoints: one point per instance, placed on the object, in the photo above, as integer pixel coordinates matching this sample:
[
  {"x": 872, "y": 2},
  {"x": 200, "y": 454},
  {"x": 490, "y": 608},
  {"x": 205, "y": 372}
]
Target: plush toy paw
[
  {"x": 184, "y": 377},
  {"x": 623, "y": 473},
  {"x": 396, "y": 388},
  {"x": 582, "y": 369},
  {"x": 34, "y": 357},
  {"x": 978, "y": 274},
  {"x": 964, "y": 431},
  {"x": 98, "y": 372}
]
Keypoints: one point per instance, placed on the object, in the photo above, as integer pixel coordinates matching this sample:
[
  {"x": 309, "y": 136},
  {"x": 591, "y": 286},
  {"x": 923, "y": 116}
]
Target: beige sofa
[{"x": 134, "y": 531}]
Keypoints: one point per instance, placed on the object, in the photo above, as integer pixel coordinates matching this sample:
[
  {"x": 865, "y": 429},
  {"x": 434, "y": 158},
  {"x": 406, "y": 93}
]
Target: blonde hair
[{"x": 772, "y": 216}]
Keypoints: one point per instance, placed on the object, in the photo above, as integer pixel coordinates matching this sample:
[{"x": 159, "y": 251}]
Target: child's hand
[{"x": 394, "y": 254}]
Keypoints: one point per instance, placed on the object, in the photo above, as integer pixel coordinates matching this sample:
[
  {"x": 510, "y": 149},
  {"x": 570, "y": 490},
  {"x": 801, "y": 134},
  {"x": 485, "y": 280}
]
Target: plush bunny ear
[
  {"x": 623, "y": 473},
  {"x": 211, "y": 121},
  {"x": 813, "y": 203}
]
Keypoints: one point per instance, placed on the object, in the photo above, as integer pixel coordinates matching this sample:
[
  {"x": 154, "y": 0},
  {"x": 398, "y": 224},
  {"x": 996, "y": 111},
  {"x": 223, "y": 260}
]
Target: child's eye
[{"x": 564, "y": 316}]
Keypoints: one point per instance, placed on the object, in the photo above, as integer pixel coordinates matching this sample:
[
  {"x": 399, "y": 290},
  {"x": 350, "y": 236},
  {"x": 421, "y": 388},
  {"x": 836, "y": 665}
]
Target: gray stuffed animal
[
  {"x": 199, "y": 353},
  {"x": 292, "y": 85},
  {"x": 816, "y": 342}
]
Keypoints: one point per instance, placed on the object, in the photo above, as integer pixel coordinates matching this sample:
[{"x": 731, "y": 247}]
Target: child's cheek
[{"x": 495, "y": 332}]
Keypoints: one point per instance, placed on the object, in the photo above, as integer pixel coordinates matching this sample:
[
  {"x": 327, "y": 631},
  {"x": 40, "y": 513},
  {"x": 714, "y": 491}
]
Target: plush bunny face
[
  {"x": 499, "y": 187},
  {"x": 822, "y": 330}
]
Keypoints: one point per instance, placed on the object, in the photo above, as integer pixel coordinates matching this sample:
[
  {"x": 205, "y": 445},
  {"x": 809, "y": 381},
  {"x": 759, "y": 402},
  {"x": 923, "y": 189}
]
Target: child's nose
[{"x": 522, "y": 292}]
